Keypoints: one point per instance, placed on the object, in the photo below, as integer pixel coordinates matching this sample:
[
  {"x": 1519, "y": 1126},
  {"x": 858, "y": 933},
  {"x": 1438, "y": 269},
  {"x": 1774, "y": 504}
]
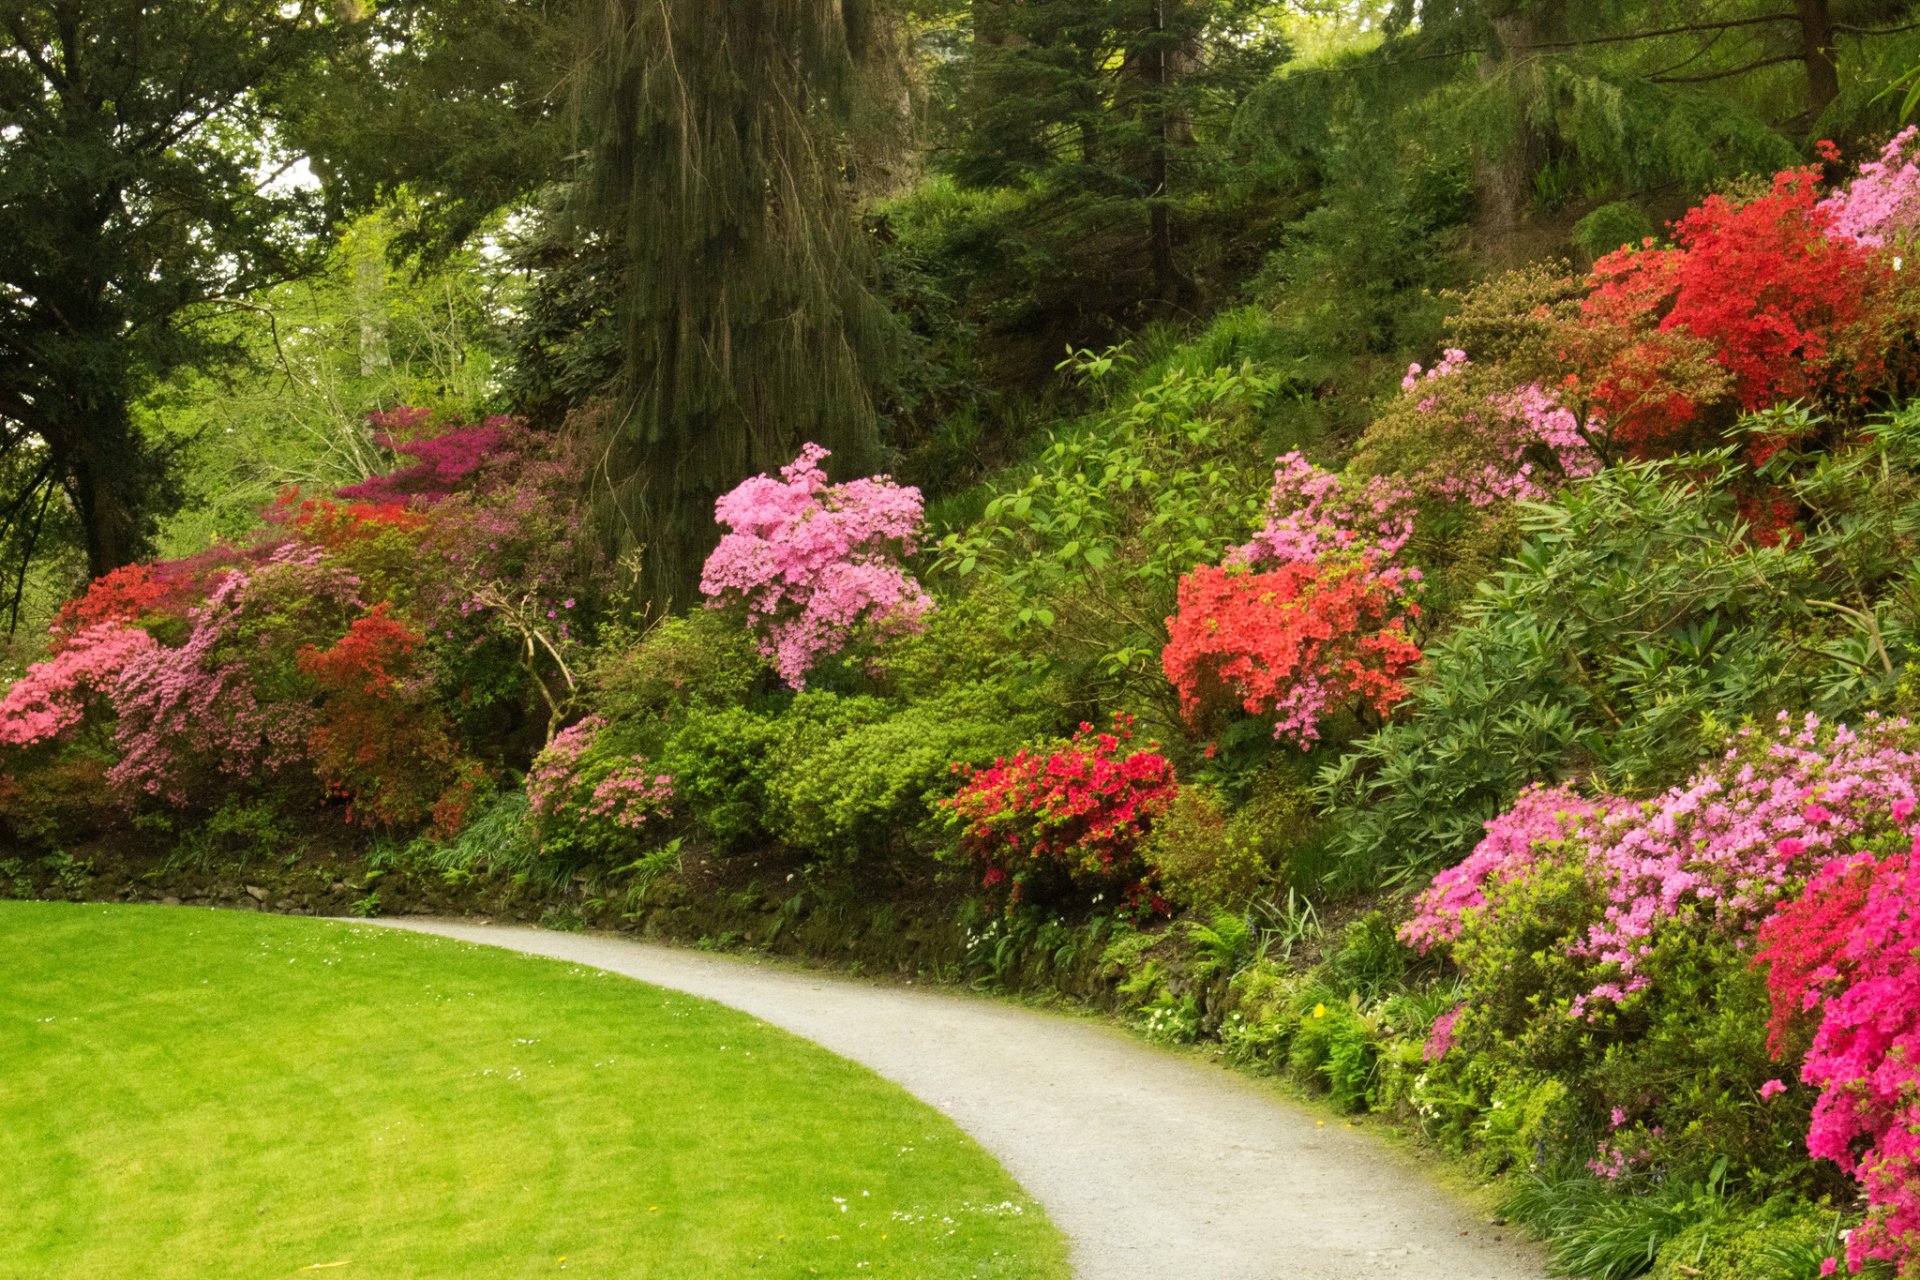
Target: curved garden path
[{"x": 1157, "y": 1167}]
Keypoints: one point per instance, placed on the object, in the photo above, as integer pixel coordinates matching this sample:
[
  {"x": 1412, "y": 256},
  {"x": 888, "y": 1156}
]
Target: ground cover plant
[{"x": 254, "y": 1104}]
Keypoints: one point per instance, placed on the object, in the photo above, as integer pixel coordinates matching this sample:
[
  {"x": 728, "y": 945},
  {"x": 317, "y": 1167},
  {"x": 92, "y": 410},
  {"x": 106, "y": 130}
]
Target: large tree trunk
[
  {"x": 1816, "y": 49},
  {"x": 1503, "y": 171}
]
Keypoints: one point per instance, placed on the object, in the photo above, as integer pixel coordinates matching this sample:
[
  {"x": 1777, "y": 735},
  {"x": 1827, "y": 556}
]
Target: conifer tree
[
  {"x": 1102, "y": 106},
  {"x": 746, "y": 328}
]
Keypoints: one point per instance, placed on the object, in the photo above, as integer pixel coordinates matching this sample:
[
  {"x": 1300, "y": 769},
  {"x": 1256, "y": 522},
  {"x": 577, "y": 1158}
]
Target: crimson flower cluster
[{"x": 1067, "y": 825}]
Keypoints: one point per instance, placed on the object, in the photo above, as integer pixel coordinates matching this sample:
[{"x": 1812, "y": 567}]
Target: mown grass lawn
[{"x": 208, "y": 1094}]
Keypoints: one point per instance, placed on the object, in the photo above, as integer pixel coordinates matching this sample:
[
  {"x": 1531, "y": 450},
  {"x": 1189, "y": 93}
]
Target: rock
[
  {"x": 255, "y": 892},
  {"x": 169, "y": 902},
  {"x": 285, "y": 904}
]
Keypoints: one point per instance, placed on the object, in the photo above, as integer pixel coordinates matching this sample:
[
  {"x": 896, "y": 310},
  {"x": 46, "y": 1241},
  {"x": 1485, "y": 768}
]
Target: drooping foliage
[{"x": 745, "y": 321}]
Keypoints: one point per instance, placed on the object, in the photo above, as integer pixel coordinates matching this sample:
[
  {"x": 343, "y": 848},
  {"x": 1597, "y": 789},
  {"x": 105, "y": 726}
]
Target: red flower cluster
[
  {"x": 379, "y": 741},
  {"x": 1761, "y": 289},
  {"x": 122, "y": 596},
  {"x": 1293, "y": 643},
  {"x": 1069, "y": 823}
]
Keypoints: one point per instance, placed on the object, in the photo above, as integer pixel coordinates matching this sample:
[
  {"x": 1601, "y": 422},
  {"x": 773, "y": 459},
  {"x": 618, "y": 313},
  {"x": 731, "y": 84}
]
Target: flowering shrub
[
  {"x": 1483, "y": 444},
  {"x": 1787, "y": 309},
  {"x": 1294, "y": 643},
  {"x": 1515, "y": 841},
  {"x": 1051, "y": 826},
  {"x": 54, "y": 696},
  {"x": 1740, "y": 835},
  {"x": 1848, "y": 952},
  {"x": 124, "y": 596},
  {"x": 445, "y": 461},
  {"x": 817, "y": 564},
  {"x": 379, "y": 741},
  {"x": 192, "y": 712},
  {"x": 589, "y": 799},
  {"x": 1880, "y": 206},
  {"x": 1312, "y": 513}
]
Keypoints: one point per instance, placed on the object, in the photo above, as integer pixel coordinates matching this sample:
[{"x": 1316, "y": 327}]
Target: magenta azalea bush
[
  {"x": 1312, "y": 513},
  {"x": 817, "y": 565}
]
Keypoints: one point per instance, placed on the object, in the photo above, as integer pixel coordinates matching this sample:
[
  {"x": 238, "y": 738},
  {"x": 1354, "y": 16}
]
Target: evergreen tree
[
  {"x": 1105, "y": 108},
  {"x": 746, "y": 327}
]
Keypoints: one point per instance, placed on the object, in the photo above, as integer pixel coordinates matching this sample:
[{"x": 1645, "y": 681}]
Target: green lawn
[{"x": 220, "y": 1095}]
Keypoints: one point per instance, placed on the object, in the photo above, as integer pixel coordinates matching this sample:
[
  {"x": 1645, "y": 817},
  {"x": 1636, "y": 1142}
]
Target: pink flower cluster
[
  {"x": 565, "y": 788},
  {"x": 1440, "y": 1035},
  {"x": 1311, "y": 513},
  {"x": 1880, "y": 206},
  {"x": 196, "y": 705},
  {"x": 1523, "y": 424},
  {"x": 1541, "y": 818},
  {"x": 52, "y": 697},
  {"x": 817, "y": 564},
  {"x": 632, "y": 794},
  {"x": 1848, "y": 951},
  {"x": 551, "y": 778},
  {"x": 1741, "y": 834}
]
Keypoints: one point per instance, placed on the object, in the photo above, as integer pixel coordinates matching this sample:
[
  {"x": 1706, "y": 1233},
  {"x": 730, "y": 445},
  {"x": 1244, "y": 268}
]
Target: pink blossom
[
  {"x": 817, "y": 564},
  {"x": 1771, "y": 1090}
]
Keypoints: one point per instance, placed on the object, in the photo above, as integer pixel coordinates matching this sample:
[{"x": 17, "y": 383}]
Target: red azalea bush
[
  {"x": 1294, "y": 643},
  {"x": 379, "y": 741},
  {"x": 1787, "y": 309},
  {"x": 1067, "y": 824}
]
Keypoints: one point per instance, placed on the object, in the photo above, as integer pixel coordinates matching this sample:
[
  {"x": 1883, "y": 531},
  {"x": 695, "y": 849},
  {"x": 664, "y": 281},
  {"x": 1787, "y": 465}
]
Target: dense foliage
[{"x": 1481, "y": 493}]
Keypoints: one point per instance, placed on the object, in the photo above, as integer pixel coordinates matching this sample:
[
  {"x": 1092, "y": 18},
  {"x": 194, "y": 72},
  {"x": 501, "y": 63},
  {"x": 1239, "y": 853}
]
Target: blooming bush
[
  {"x": 590, "y": 800},
  {"x": 444, "y": 461},
  {"x": 379, "y": 740},
  {"x": 1294, "y": 643},
  {"x": 1787, "y": 309},
  {"x": 54, "y": 696},
  {"x": 1515, "y": 841},
  {"x": 1880, "y": 206},
  {"x": 1847, "y": 952},
  {"x": 1067, "y": 824},
  {"x": 1324, "y": 627},
  {"x": 1481, "y": 443},
  {"x": 1312, "y": 513},
  {"x": 817, "y": 564}
]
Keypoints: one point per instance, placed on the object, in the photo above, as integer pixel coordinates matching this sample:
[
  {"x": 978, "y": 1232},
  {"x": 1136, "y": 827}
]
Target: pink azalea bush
[
  {"x": 1880, "y": 206},
  {"x": 1521, "y": 444},
  {"x": 589, "y": 798},
  {"x": 53, "y": 697},
  {"x": 1539, "y": 821},
  {"x": 1312, "y": 513},
  {"x": 1574, "y": 917},
  {"x": 198, "y": 710},
  {"x": 817, "y": 565}
]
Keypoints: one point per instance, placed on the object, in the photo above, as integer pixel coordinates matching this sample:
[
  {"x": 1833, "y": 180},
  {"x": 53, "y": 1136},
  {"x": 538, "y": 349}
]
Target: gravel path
[{"x": 1156, "y": 1166}]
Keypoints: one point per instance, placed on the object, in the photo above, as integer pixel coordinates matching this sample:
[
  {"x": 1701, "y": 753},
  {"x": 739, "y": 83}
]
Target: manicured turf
[{"x": 211, "y": 1094}]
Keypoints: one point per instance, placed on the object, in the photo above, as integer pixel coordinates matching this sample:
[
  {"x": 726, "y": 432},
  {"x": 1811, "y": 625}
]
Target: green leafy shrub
[
  {"x": 1206, "y": 857},
  {"x": 703, "y": 656},
  {"x": 1636, "y": 623}
]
